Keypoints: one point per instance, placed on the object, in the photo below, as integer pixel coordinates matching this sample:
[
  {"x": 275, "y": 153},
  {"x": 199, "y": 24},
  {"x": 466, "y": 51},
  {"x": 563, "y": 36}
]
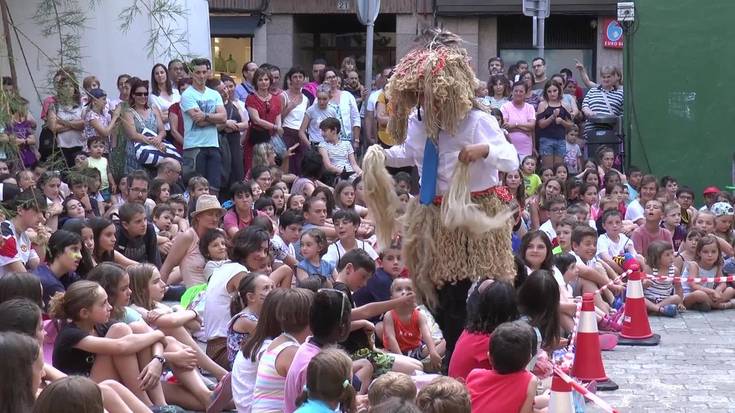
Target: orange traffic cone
[
  {"x": 636, "y": 329},
  {"x": 587, "y": 358},
  {"x": 561, "y": 396}
]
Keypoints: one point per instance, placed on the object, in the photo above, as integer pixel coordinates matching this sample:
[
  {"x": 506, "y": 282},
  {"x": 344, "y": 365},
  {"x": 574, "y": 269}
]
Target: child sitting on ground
[
  {"x": 328, "y": 378},
  {"x": 406, "y": 330},
  {"x": 564, "y": 234},
  {"x": 613, "y": 242},
  {"x": 346, "y": 223},
  {"x": 338, "y": 156},
  {"x": 651, "y": 230},
  {"x": 178, "y": 207},
  {"x": 391, "y": 384},
  {"x": 444, "y": 395},
  {"x": 508, "y": 387},
  {"x": 162, "y": 220},
  {"x": 556, "y": 206},
  {"x": 198, "y": 186},
  {"x": 661, "y": 295},
  {"x": 282, "y": 244},
  {"x": 313, "y": 247},
  {"x": 672, "y": 222},
  {"x": 708, "y": 263}
]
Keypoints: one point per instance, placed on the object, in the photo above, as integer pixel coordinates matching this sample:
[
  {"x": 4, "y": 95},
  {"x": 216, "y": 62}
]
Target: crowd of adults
[{"x": 243, "y": 202}]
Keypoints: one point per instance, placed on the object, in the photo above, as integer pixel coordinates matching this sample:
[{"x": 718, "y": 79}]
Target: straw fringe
[
  {"x": 459, "y": 212},
  {"x": 381, "y": 198}
]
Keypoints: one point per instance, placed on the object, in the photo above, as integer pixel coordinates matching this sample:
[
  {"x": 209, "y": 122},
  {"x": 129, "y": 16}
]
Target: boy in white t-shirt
[
  {"x": 557, "y": 208},
  {"x": 593, "y": 273},
  {"x": 346, "y": 223},
  {"x": 613, "y": 242}
]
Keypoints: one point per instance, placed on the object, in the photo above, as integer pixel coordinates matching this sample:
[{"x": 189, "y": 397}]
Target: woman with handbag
[
  {"x": 142, "y": 124},
  {"x": 265, "y": 115}
]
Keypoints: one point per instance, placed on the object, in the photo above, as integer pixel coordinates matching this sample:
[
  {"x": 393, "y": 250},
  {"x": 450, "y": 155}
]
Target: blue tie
[{"x": 429, "y": 172}]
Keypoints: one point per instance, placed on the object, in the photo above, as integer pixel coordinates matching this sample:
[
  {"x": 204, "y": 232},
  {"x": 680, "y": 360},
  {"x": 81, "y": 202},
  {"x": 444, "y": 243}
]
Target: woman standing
[
  {"x": 65, "y": 118},
  {"x": 553, "y": 122},
  {"x": 520, "y": 119},
  {"x": 347, "y": 112},
  {"x": 265, "y": 115},
  {"x": 139, "y": 121},
  {"x": 164, "y": 95},
  {"x": 231, "y": 133},
  {"x": 98, "y": 122},
  {"x": 295, "y": 104},
  {"x": 530, "y": 97},
  {"x": 500, "y": 91},
  {"x": 317, "y": 112}
]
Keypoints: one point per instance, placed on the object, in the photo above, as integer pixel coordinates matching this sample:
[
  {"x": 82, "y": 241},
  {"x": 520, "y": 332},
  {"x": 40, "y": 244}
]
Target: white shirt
[
  {"x": 162, "y": 104},
  {"x": 336, "y": 251},
  {"x": 605, "y": 245},
  {"x": 477, "y": 127},
  {"x": 371, "y": 102},
  {"x": 244, "y": 373},
  {"x": 634, "y": 211},
  {"x": 22, "y": 251},
  {"x": 217, "y": 300}
]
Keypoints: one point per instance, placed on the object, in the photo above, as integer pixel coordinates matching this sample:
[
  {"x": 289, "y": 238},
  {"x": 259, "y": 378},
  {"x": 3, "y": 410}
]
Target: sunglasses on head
[{"x": 343, "y": 299}]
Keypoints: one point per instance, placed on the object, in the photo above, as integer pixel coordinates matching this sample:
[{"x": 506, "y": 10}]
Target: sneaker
[
  {"x": 222, "y": 395},
  {"x": 618, "y": 302},
  {"x": 608, "y": 341},
  {"x": 669, "y": 310},
  {"x": 608, "y": 324}
]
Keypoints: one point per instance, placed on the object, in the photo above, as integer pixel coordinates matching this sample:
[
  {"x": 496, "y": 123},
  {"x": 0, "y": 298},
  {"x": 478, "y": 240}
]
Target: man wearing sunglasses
[{"x": 203, "y": 111}]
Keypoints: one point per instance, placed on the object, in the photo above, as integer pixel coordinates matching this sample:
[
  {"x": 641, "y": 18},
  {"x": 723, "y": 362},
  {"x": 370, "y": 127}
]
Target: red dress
[
  {"x": 267, "y": 111},
  {"x": 492, "y": 392}
]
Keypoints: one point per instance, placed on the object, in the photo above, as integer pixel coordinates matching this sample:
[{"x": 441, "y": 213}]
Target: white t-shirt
[
  {"x": 605, "y": 245},
  {"x": 281, "y": 249},
  {"x": 21, "y": 251},
  {"x": 371, "y": 102},
  {"x": 217, "y": 300},
  {"x": 244, "y": 373},
  {"x": 336, "y": 251},
  {"x": 162, "y": 104}
]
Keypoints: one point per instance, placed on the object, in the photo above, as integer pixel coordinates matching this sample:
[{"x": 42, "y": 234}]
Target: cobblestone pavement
[{"x": 691, "y": 370}]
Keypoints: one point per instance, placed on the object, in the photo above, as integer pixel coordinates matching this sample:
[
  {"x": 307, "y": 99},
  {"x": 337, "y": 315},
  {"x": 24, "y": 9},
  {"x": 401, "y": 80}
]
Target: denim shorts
[{"x": 553, "y": 147}]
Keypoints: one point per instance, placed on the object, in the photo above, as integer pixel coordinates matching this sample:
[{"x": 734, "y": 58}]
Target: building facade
[{"x": 294, "y": 32}]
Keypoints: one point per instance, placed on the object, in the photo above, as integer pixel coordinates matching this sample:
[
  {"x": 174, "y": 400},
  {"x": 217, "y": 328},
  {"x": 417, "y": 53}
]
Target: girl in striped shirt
[{"x": 662, "y": 296}]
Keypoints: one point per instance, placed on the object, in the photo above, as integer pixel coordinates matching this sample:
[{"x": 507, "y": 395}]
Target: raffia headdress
[{"x": 436, "y": 75}]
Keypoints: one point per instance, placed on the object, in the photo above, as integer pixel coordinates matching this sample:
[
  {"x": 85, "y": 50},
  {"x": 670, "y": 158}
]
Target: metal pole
[
  {"x": 541, "y": 21},
  {"x": 534, "y": 35},
  {"x": 8, "y": 41},
  {"x": 369, "y": 55}
]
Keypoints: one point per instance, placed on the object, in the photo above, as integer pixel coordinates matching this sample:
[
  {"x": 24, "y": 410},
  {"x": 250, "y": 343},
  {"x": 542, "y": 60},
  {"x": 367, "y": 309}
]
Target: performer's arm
[
  {"x": 502, "y": 154},
  {"x": 398, "y": 157}
]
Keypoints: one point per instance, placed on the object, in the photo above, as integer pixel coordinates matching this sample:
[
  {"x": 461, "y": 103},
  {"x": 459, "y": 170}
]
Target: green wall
[{"x": 680, "y": 90}]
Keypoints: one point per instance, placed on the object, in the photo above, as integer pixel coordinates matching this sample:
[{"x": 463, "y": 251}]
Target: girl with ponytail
[{"x": 328, "y": 384}]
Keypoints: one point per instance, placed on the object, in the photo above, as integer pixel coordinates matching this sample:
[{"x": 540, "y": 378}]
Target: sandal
[{"x": 669, "y": 310}]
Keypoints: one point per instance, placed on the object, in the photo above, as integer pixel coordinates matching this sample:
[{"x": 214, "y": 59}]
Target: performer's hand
[{"x": 473, "y": 152}]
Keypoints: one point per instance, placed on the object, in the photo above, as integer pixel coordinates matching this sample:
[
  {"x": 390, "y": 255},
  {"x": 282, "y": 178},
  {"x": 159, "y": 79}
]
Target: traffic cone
[
  {"x": 587, "y": 358},
  {"x": 636, "y": 329},
  {"x": 561, "y": 396}
]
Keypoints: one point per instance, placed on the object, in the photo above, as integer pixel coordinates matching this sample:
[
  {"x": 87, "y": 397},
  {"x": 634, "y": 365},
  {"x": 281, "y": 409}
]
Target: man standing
[
  {"x": 317, "y": 69},
  {"x": 246, "y": 87},
  {"x": 495, "y": 66},
  {"x": 203, "y": 111},
  {"x": 539, "y": 74},
  {"x": 176, "y": 71}
]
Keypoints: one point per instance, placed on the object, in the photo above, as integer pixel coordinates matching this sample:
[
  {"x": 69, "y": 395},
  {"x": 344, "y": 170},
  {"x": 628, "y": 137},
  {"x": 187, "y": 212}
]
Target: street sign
[
  {"x": 536, "y": 8},
  {"x": 367, "y": 11}
]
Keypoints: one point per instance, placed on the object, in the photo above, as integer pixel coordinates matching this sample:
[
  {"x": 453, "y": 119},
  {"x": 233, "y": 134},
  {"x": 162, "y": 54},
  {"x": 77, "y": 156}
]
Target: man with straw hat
[{"x": 459, "y": 229}]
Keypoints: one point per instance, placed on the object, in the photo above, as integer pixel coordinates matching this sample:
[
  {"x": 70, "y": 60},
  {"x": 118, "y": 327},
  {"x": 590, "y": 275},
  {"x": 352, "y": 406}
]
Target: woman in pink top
[
  {"x": 493, "y": 304},
  {"x": 520, "y": 120},
  {"x": 185, "y": 249}
]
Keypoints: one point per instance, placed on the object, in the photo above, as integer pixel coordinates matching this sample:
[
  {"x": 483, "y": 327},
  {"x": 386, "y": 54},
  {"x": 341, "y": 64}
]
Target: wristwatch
[{"x": 161, "y": 359}]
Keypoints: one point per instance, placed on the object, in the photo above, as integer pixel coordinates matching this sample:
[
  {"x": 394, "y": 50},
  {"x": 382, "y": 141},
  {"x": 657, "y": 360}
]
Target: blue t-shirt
[
  {"x": 324, "y": 270},
  {"x": 377, "y": 289},
  {"x": 200, "y": 136},
  {"x": 314, "y": 406},
  {"x": 53, "y": 284}
]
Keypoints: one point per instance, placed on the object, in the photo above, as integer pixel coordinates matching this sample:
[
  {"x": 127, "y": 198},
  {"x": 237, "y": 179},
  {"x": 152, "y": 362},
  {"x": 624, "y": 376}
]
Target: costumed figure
[{"x": 459, "y": 229}]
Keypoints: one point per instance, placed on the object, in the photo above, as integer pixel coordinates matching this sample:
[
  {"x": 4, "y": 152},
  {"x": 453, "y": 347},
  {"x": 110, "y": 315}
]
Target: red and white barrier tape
[
  {"x": 680, "y": 279},
  {"x": 584, "y": 392}
]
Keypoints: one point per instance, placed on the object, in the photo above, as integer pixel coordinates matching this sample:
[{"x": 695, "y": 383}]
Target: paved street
[{"x": 690, "y": 371}]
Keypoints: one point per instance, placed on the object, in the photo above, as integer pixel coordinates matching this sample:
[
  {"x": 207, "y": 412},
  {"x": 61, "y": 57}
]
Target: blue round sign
[{"x": 614, "y": 31}]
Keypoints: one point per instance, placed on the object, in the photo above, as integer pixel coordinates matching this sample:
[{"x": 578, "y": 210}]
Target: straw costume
[{"x": 459, "y": 229}]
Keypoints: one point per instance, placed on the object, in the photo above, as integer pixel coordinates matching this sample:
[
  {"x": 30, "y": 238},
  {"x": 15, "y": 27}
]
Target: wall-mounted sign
[
  {"x": 343, "y": 5},
  {"x": 613, "y": 34}
]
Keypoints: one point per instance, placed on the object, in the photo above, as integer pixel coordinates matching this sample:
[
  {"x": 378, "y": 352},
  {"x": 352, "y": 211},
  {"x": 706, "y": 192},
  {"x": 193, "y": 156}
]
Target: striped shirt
[
  {"x": 596, "y": 102},
  {"x": 660, "y": 289},
  {"x": 269, "y": 391},
  {"x": 339, "y": 154}
]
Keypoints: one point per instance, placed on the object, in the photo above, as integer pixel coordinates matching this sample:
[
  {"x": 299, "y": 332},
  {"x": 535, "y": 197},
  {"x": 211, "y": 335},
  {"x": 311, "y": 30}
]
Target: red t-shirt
[
  {"x": 642, "y": 238},
  {"x": 470, "y": 353},
  {"x": 492, "y": 392},
  {"x": 408, "y": 335}
]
